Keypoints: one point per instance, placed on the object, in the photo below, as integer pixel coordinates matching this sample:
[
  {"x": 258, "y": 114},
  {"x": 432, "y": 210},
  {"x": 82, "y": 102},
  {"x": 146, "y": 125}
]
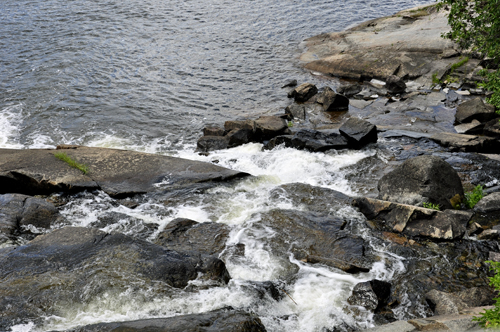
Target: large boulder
[
  {"x": 215, "y": 321},
  {"x": 371, "y": 294},
  {"x": 443, "y": 303},
  {"x": 212, "y": 143},
  {"x": 331, "y": 101},
  {"x": 76, "y": 264},
  {"x": 421, "y": 179},
  {"x": 188, "y": 235},
  {"x": 303, "y": 92},
  {"x": 358, "y": 132},
  {"x": 317, "y": 141},
  {"x": 119, "y": 173},
  {"x": 474, "y": 109},
  {"x": 267, "y": 127}
]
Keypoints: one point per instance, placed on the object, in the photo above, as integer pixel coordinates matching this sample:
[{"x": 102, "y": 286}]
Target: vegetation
[
  {"x": 431, "y": 206},
  {"x": 71, "y": 162},
  {"x": 459, "y": 64},
  {"x": 474, "y": 196},
  {"x": 491, "y": 317}
]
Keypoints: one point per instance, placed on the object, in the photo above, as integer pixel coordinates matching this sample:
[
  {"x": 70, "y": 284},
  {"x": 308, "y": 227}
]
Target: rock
[
  {"x": 317, "y": 238},
  {"x": 188, "y": 235},
  {"x": 317, "y": 141},
  {"x": 213, "y": 131},
  {"x": 267, "y": 127},
  {"x": 421, "y": 179},
  {"x": 371, "y": 294},
  {"x": 467, "y": 143},
  {"x": 444, "y": 303},
  {"x": 398, "y": 326},
  {"x": 279, "y": 140},
  {"x": 471, "y": 128},
  {"x": 492, "y": 128},
  {"x": 290, "y": 83},
  {"x": 296, "y": 111},
  {"x": 212, "y": 143},
  {"x": 489, "y": 203},
  {"x": 414, "y": 221},
  {"x": 358, "y": 132},
  {"x": 239, "y": 124},
  {"x": 477, "y": 296},
  {"x": 119, "y": 173},
  {"x": 474, "y": 109},
  {"x": 332, "y": 102},
  {"x": 395, "y": 85},
  {"x": 238, "y": 137},
  {"x": 80, "y": 264},
  {"x": 350, "y": 90},
  {"x": 303, "y": 92},
  {"x": 489, "y": 234},
  {"x": 215, "y": 321}
]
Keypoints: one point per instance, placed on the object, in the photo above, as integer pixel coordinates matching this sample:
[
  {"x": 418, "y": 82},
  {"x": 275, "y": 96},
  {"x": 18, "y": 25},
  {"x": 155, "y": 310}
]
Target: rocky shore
[{"x": 436, "y": 141}]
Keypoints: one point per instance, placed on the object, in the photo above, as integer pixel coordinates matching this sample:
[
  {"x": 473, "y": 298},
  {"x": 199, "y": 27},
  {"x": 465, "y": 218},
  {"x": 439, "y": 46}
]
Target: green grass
[
  {"x": 431, "y": 206},
  {"x": 435, "y": 79},
  {"x": 491, "y": 317},
  {"x": 459, "y": 64},
  {"x": 474, "y": 196},
  {"x": 71, "y": 162}
]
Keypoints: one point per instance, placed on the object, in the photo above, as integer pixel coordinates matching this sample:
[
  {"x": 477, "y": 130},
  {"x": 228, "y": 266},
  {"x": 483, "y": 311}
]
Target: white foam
[{"x": 10, "y": 121}]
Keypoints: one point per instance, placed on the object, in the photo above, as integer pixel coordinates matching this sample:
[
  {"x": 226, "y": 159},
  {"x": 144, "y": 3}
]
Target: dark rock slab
[
  {"x": 213, "y": 131},
  {"x": 358, "y": 132},
  {"x": 267, "y": 127},
  {"x": 238, "y": 137},
  {"x": 285, "y": 140},
  {"x": 331, "y": 101},
  {"x": 297, "y": 111},
  {"x": 78, "y": 264},
  {"x": 489, "y": 203},
  {"x": 467, "y": 143},
  {"x": 421, "y": 179},
  {"x": 317, "y": 141},
  {"x": 303, "y": 92},
  {"x": 215, "y": 321},
  {"x": 188, "y": 235},
  {"x": 212, "y": 143},
  {"x": 371, "y": 294},
  {"x": 492, "y": 128},
  {"x": 474, "y": 109},
  {"x": 395, "y": 85},
  {"x": 350, "y": 90},
  {"x": 119, "y": 173}
]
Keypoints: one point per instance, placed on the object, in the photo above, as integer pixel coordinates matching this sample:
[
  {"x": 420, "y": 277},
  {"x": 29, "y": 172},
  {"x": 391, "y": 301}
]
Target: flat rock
[
  {"x": 474, "y": 109},
  {"x": 489, "y": 203},
  {"x": 358, "y": 132},
  {"x": 467, "y": 143},
  {"x": 267, "y": 127},
  {"x": 317, "y": 141},
  {"x": 303, "y": 92},
  {"x": 119, "y": 173}
]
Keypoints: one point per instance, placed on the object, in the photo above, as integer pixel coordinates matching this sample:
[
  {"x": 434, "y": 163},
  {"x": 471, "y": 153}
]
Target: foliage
[
  {"x": 492, "y": 84},
  {"x": 474, "y": 196},
  {"x": 491, "y": 317},
  {"x": 71, "y": 162},
  {"x": 431, "y": 206},
  {"x": 459, "y": 64},
  {"x": 435, "y": 79}
]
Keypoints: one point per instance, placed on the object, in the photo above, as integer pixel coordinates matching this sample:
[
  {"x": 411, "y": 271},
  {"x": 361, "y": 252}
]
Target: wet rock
[
  {"x": 123, "y": 223},
  {"x": 331, "y": 101},
  {"x": 188, "y": 235},
  {"x": 467, "y": 143},
  {"x": 395, "y": 85},
  {"x": 317, "y": 238},
  {"x": 477, "y": 296},
  {"x": 444, "y": 303},
  {"x": 371, "y": 294},
  {"x": 489, "y": 234},
  {"x": 489, "y": 203},
  {"x": 421, "y": 179},
  {"x": 213, "y": 131},
  {"x": 285, "y": 140},
  {"x": 119, "y": 173},
  {"x": 350, "y": 90},
  {"x": 263, "y": 289},
  {"x": 474, "y": 109},
  {"x": 297, "y": 111},
  {"x": 76, "y": 264},
  {"x": 267, "y": 127},
  {"x": 358, "y": 132},
  {"x": 303, "y": 92},
  {"x": 212, "y": 143},
  {"x": 238, "y": 137},
  {"x": 470, "y": 128},
  {"x": 414, "y": 221},
  {"x": 220, "y": 321},
  {"x": 492, "y": 128},
  {"x": 290, "y": 83},
  {"x": 317, "y": 141}
]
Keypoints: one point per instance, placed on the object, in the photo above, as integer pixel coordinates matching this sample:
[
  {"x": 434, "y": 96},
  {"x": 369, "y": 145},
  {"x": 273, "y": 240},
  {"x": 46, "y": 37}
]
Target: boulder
[
  {"x": 239, "y": 124},
  {"x": 332, "y": 102},
  {"x": 317, "y": 141},
  {"x": 492, "y": 128},
  {"x": 395, "y": 85},
  {"x": 289, "y": 83},
  {"x": 443, "y": 303},
  {"x": 279, "y": 140},
  {"x": 297, "y": 111},
  {"x": 489, "y": 203},
  {"x": 267, "y": 127},
  {"x": 119, "y": 173},
  {"x": 474, "y": 109},
  {"x": 303, "y": 92},
  {"x": 77, "y": 264},
  {"x": 421, "y": 179},
  {"x": 212, "y": 143},
  {"x": 213, "y": 131},
  {"x": 215, "y": 321},
  {"x": 188, "y": 235},
  {"x": 371, "y": 294},
  {"x": 412, "y": 220},
  {"x": 358, "y": 132},
  {"x": 238, "y": 137},
  {"x": 467, "y": 143},
  {"x": 350, "y": 90}
]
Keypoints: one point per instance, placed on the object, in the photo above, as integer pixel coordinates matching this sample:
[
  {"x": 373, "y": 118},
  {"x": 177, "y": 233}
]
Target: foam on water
[{"x": 10, "y": 122}]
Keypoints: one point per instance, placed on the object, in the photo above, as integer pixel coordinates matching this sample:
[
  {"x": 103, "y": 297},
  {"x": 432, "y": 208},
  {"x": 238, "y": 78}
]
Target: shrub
[
  {"x": 474, "y": 196},
  {"x": 491, "y": 317},
  {"x": 71, "y": 162},
  {"x": 431, "y": 206}
]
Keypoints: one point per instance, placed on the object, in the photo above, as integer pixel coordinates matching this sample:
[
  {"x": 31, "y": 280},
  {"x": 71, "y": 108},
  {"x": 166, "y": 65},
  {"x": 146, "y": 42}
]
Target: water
[{"x": 148, "y": 76}]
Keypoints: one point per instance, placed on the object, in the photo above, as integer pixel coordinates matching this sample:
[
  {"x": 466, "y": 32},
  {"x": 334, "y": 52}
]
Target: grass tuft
[
  {"x": 431, "y": 206},
  {"x": 474, "y": 196},
  {"x": 71, "y": 162}
]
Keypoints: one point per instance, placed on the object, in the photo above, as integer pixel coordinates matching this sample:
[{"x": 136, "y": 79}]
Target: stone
[
  {"x": 350, "y": 90},
  {"x": 421, "y": 179},
  {"x": 239, "y": 124},
  {"x": 238, "y": 137},
  {"x": 489, "y": 203},
  {"x": 213, "y": 131},
  {"x": 212, "y": 143},
  {"x": 296, "y": 111},
  {"x": 474, "y": 109},
  {"x": 371, "y": 295},
  {"x": 267, "y": 127},
  {"x": 444, "y": 303},
  {"x": 395, "y": 85},
  {"x": 467, "y": 143},
  {"x": 188, "y": 235},
  {"x": 303, "y": 92},
  {"x": 492, "y": 128},
  {"x": 290, "y": 83},
  {"x": 285, "y": 140},
  {"x": 489, "y": 234},
  {"x": 317, "y": 141},
  {"x": 215, "y": 321},
  {"x": 358, "y": 133},
  {"x": 119, "y": 173},
  {"x": 61, "y": 267},
  {"x": 331, "y": 101}
]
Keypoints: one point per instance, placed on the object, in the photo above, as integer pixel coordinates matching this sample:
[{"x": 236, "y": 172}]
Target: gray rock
[
  {"x": 285, "y": 140},
  {"x": 474, "y": 109},
  {"x": 267, "y": 127},
  {"x": 215, "y": 321},
  {"x": 212, "y": 143},
  {"x": 395, "y": 85},
  {"x": 317, "y": 141},
  {"x": 444, "y": 303},
  {"x": 350, "y": 90},
  {"x": 421, "y": 179},
  {"x": 290, "y": 83},
  {"x": 489, "y": 234},
  {"x": 119, "y": 173},
  {"x": 296, "y": 111},
  {"x": 213, "y": 131},
  {"x": 238, "y": 137},
  {"x": 371, "y": 294},
  {"x": 489, "y": 203},
  {"x": 492, "y": 128},
  {"x": 303, "y": 92},
  {"x": 399, "y": 326},
  {"x": 467, "y": 143},
  {"x": 332, "y": 102},
  {"x": 358, "y": 132},
  {"x": 239, "y": 124}
]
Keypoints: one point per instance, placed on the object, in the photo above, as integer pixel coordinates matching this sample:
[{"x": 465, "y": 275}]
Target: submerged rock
[
  {"x": 421, "y": 179},
  {"x": 215, "y": 321},
  {"x": 303, "y": 92}
]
